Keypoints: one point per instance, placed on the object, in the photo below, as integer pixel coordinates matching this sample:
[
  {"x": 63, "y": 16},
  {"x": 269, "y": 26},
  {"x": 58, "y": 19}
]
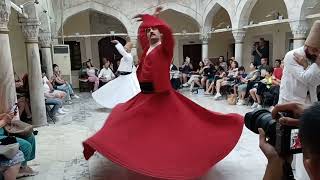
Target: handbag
[
  {"x": 19, "y": 129},
  {"x": 232, "y": 99},
  {"x": 9, "y": 147}
]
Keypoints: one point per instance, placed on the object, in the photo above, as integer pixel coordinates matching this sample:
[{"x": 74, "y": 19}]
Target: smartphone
[{"x": 14, "y": 109}]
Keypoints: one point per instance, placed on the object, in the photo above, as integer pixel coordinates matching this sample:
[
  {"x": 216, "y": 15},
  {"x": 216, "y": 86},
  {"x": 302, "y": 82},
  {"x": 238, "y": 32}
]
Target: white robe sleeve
[
  {"x": 309, "y": 76},
  {"x": 121, "y": 50}
]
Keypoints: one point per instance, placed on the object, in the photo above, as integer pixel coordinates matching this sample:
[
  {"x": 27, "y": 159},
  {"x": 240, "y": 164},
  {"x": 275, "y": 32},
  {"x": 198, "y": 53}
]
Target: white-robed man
[
  {"x": 124, "y": 87},
  {"x": 301, "y": 74},
  {"x": 300, "y": 79}
]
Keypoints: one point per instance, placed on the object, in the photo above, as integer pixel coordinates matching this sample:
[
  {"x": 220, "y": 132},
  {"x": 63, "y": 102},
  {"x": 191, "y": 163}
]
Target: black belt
[
  {"x": 146, "y": 87},
  {"x": 124, "y": 73}
]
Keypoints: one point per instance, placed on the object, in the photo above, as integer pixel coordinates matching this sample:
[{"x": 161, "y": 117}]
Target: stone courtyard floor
[{"x": 59, "y": 147}]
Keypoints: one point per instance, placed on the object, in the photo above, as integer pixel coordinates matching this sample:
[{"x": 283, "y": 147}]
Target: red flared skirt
[{"x": 165, "y": 135}]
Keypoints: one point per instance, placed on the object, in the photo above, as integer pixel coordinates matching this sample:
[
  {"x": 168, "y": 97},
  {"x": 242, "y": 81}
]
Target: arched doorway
[
  {"x": 108, "y": 50},
  {"x": 184, "y": 45},
  {"x": 225, "y": 46},
  {"x": 277, "y": 37},
  {"x": 91, "y": 22}
]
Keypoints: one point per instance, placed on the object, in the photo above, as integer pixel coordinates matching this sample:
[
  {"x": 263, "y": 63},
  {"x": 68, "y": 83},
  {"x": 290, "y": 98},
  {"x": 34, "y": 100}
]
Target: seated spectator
[
  {"x": 62, "y": 84},
  {"x": 53, "y": 97},
  {"x": 23, "y": 99},
  {"x": 186, "y": 69},
  {"x": 229, "y": 63},
  {"x": 215, "y": 68},
  {"x": 27, "y": 146},
  {"x": 106, "y": 73},
  {"x": 195, "y": 75},
  {"x": 223, "y": 63},
  {"x": 242, "y": 87},
  {"x": 9, "y": 167},
  {"x": 276, "y": 81},
  {"x": 229, "y": 80},
  {"x": 308, "y": 122},
  {"x": 264, "y": 64},
  {"x": 220, "y": 74},
  {"x": 208, "y": 73},
  {"x": 91, "y": 72},
  {"x": 278, "y": 70},
  {"x": 203, "y": 74},
  {"x": 241, "y": 75},
  {"x": 175, "y": 76},
  {"x": 264, "y": 86},
  {"x": 24, "y": 107}
]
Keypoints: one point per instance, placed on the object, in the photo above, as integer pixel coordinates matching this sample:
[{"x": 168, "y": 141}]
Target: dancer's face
[
  {"x": 153, "y": 34},
  {"x": 312, "y": 53}
]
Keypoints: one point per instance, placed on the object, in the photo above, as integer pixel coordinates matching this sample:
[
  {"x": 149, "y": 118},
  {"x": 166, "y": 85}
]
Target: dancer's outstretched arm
[{"x": 120, "y": 48}]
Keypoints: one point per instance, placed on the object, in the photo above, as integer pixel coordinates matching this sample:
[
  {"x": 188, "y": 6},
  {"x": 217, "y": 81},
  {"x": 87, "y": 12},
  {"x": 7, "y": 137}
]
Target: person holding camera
[
  {"x": 309, "y": 124},
  {"x": 259, "y": 51}
]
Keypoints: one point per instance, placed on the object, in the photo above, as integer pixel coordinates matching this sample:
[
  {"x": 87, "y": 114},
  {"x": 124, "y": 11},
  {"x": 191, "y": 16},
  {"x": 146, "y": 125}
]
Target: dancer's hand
[
  {"x": 138, "y": 17},
  {"x": 157, "y": 11},
  {"x": 295, "y": 109},
  {"x": 115, "y": 41},
  {"x": 301, "y": 60}
]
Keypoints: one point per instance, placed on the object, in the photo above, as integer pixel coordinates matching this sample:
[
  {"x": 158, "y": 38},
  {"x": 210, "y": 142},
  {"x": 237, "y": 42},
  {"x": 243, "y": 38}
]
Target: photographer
[
  {"x": 309, "y": 123},
  {"x": 259, "y": 51}
]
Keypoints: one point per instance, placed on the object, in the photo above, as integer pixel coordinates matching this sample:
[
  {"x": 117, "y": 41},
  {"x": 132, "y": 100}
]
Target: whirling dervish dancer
[
  {"x": 159, "y": 132},
  {"x": 124, "y": 87}
]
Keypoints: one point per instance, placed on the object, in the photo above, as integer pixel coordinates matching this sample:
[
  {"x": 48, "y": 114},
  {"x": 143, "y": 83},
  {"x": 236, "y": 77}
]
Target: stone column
[
  {"x": 7, "y": 85},
  {"x": 205, "y": 48},
  {"x": 134, "y": 52},
  {"x": 238, "y": 38},
  {"x": 299, "y": 32},
  {"x": 45, "y": 44},
  {"x": 30, "y": 29}
]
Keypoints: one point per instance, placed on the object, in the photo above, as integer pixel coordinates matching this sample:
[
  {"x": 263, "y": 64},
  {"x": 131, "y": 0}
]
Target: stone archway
[
  {"x": 107, "y": 10},
  {"x": 218, "y": 17},
  {"x": 180, "y": 23},
  {"x": 245, "y": 9},
  {"x": 210, "y": 11},
  {"x": 184, "y": 9}
]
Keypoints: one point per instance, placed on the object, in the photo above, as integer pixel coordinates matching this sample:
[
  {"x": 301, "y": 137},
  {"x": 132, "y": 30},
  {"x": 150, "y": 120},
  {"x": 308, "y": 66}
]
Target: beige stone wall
[
  {"x": 79, "y": 23},
  {"x": 219, "y": 45}
]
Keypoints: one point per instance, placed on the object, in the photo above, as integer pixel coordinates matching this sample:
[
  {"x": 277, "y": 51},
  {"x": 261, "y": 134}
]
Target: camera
[{"x": 285, "y": 139}]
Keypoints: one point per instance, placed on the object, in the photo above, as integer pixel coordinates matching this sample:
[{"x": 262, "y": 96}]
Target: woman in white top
[
  {"x": 232, "y": 74},
  {"x": 106, "y": 73},
  {"x": 124, "y": 87}
]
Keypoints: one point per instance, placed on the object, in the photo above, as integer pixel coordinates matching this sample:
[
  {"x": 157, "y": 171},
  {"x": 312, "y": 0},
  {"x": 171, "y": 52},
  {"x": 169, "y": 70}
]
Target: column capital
[
  {"x": 45, "y": 39},
  {"x": 30, "y": 30},
  {"x": 5, "y": 11},
  {"x": 204, "y": 37},
  {"x": 238, "y": 36},
  {"x": 299, "y": 29}
]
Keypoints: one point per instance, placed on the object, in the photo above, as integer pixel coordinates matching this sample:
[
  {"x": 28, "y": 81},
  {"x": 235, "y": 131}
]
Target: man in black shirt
[{"x": 260, "y": 50}]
